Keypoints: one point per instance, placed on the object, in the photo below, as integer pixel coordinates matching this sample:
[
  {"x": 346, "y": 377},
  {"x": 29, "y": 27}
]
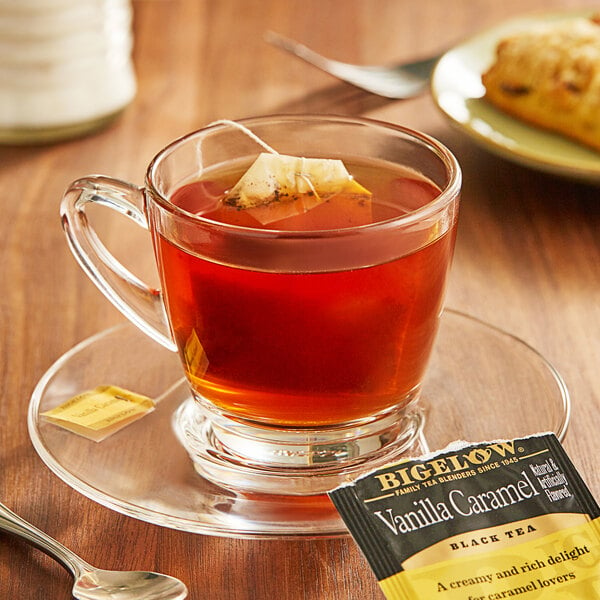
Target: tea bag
[{"x": 278, "y": 186}]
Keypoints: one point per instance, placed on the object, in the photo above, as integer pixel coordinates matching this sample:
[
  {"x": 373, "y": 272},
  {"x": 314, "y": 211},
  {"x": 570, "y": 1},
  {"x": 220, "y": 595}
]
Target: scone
[{"x": 550, "y": 76}]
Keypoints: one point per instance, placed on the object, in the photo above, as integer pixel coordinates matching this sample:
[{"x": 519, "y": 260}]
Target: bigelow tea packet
[{"x": 487, "y": 521}]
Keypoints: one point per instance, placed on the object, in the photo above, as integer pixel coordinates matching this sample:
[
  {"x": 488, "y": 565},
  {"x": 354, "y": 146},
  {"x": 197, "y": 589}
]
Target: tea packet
[{"x": 486, "y": 521}]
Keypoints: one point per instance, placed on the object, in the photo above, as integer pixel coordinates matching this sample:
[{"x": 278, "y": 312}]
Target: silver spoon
[
  {"x": 400, "y": 81},
  {"x": 92, "y": 583}
]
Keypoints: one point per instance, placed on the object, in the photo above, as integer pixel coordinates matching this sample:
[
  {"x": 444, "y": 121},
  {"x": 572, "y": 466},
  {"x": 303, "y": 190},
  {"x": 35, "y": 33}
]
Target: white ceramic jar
[{"x": 65, "y": 67}]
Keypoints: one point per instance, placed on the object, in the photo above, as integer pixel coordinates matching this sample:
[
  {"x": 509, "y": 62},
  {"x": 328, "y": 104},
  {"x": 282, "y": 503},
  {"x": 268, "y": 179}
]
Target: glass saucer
[{"x": 482, "y": 384}]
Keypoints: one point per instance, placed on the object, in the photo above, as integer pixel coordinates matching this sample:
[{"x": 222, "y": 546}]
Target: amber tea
[{"x": 315, "y": 347}]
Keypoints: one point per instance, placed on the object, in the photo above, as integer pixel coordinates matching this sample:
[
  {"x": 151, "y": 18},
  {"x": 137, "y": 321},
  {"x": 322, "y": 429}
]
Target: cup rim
[{"x": 449, "y": 193}]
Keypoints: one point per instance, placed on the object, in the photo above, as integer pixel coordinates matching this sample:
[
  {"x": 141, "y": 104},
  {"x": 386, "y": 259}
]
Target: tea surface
[{"x": 394, "y": 192}]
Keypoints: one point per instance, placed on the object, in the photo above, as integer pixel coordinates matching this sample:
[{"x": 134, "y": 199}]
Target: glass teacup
[{"x": 305, "y": 339}]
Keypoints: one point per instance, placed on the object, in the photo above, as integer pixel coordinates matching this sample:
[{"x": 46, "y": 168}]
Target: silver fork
[{"x": 399, "y": 81}]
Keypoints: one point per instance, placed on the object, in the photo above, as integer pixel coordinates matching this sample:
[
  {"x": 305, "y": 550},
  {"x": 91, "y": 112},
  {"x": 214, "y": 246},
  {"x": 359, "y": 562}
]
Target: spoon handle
[{"x": 16, "y": 525}]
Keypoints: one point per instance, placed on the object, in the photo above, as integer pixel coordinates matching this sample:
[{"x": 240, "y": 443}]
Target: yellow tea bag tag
[
  {"x": 277, "y": 186},
  {"x": 98, "y": 413}
]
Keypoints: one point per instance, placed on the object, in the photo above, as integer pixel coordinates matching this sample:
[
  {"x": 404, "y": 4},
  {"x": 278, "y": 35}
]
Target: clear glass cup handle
[{"x": 140, "y": 303}]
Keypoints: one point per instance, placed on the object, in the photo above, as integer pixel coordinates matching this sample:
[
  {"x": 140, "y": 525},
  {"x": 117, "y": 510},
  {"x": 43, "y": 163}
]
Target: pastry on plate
[{"x": 549, "y": 76}]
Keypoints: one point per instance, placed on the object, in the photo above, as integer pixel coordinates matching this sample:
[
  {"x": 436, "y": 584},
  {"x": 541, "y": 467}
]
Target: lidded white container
[{"x": 65, "y": 67}]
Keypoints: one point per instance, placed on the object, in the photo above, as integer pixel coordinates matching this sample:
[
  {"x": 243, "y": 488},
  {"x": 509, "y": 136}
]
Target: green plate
[{"x": 458, "y": 92}]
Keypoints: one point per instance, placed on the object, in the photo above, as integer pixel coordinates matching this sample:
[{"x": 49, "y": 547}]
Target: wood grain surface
[{"x": 527, "y": 260}]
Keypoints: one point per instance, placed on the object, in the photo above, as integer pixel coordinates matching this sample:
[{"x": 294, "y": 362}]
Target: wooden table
[{"x": 527, "y": 260}]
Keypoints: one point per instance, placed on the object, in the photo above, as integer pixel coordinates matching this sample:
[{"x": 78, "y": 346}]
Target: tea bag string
[
  {"x": 247, "y": 131},
  {"x": 266, "y": 146}
]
